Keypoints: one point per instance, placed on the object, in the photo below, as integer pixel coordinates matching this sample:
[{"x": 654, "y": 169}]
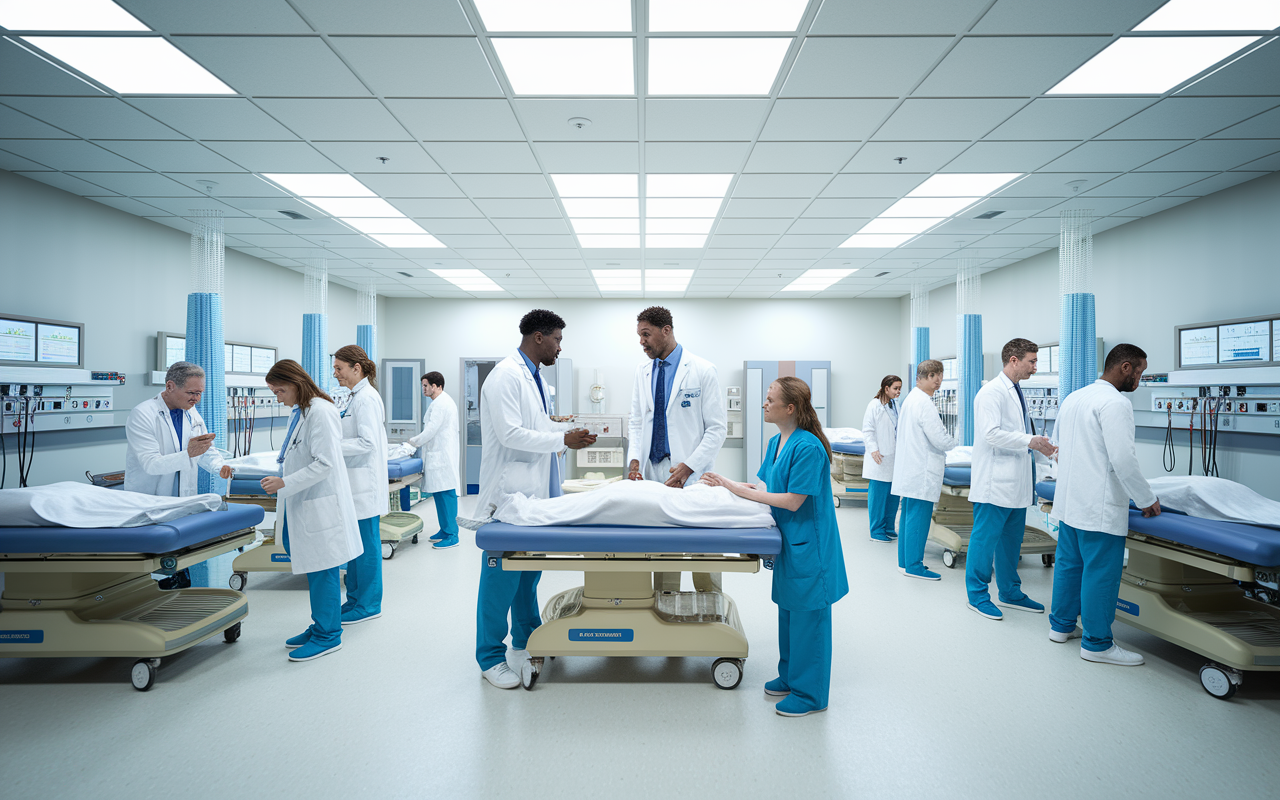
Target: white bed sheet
[
  {"x": 1216, "y": 498},
  {"x": 80, "y": 505},
  {"x": 645, "y": 503}
]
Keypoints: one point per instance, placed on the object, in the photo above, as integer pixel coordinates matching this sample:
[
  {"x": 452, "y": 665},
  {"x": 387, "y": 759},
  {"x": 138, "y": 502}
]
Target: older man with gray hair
[{"x": 167, "y": 438}]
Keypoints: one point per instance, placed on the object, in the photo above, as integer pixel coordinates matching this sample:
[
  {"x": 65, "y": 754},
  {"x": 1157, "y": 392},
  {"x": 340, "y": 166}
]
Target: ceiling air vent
[
  {"x": 407, "y": 275},
  {"x": 881, "y": 274},
  {"x": 294, "y": 215},
  {"x": 989, "y": 215}
]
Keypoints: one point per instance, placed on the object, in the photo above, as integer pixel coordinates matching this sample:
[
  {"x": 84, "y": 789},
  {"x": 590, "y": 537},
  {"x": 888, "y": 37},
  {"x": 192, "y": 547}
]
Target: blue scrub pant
[
  {"x": 882, "y": 507},
  {"x": 996, "y": 540},
  {"x": 326, "y": 601},
  {"x": 1086, "y": 584},
  {"x": 404, "y": 499},
  {"x": 917, "y": 515},
  {"x": 364, "y": 573},
  {"x": 502, "y": 592},
  {"x": 447, "y": 511},
  {"x": 804, "y": 655}
]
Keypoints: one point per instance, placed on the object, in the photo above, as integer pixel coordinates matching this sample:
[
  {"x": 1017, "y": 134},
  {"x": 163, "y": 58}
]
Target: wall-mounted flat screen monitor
[
  {"x": 241, "y": 359},
  {"x": 17, "y": 340},
  {"x": 1275, "y": 340},
  {"x": 264, "y": 358},
  {"x": 175, "y": 350},
  {"x": 1244, "y": 341},
  {"x": 1198, "y": 347},
  {"x": 57, "y": 344}
]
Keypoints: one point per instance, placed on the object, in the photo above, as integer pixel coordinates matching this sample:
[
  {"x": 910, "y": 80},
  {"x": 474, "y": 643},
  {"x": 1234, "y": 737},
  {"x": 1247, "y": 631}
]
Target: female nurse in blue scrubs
[{"x": 808, "y": 576}]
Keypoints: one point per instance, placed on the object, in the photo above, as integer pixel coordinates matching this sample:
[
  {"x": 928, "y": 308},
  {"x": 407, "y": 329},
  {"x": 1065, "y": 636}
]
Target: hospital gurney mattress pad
[
  {"x": 957, "y": 476},
  {"x": 403, "y": 467},
  {"x": 852, "y": 448},
  {"x": 499, "y": 536},
  {"x": 168, "y": 537}
]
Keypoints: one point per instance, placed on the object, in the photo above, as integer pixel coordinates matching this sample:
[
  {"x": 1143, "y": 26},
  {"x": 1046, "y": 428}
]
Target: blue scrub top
[{"x": 809, "y": 573}]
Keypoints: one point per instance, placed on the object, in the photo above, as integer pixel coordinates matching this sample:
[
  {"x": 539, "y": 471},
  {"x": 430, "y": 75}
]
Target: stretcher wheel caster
[
  {"x": 727, "y": 672},
  {"x": 414, "y": 539},
  {"x": 949, "y": 559},
  {"x": 1219, "y": 681},
  {"x": 1047, "y": 559},
  {"x": 231, "y": 634},
  {"x": 388, "y": 550},
  {"x": 837, "y": 502},
  {"x": 143, "y": 674},
  {"x": 529, "y": 673},
  {"x": 1264, "y": 596},
  {"x": 238, "y": 581}
]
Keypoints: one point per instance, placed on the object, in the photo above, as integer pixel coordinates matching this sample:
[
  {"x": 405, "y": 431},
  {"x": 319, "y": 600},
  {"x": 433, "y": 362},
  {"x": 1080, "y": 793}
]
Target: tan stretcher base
[
  {"x": 952, "y": 525},
  {"x": 396, "y": 528}
]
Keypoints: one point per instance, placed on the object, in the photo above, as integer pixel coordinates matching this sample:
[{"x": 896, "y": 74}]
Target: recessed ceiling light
[
  {"x": 746, "y": 66},
  {"x": 132, "y": 64},
  {"x": 962, "y": 184},
  {"x": 601, "y": 207},
  {"x": 877, "y": 239},
  {"x": 619, "y": 225},
  {"x": 682, "y": 207},
  {"x": 567, "y": 66},
  {"x": 589, "y": 241},
  {"x": 675, "y": 240},
  {"x": 726, "y": 15},
  {"x": 928, "y": 206},
  {"x": 900, "y": 224},
  {"x": 67, "y": 15},
  {"x": 555, "y": 15},
  {"x": 407, "y": 240},
  {"x": 354, "y": 206},
  {"x": 384, "y": 225},
  {"x": 1220, "y": 15},
  {"x": 686, "y": 185},
  {"x": 320, "y": 185},
  {"x": 473, "y": 280},
  {"x": 624, "y": 185},
  {"x": 815, "y": 280},
  {"x": 1149, "y": 64},
  {"x": 702, "y": 226}
]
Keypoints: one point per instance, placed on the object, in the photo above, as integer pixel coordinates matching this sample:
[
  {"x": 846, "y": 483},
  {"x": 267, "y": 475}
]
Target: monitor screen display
[
  {"x": 1243, "y": 341},
  {"x": 175, "y": 350},
  {"x": 1199, "y": 346},
  {"x": 17, "y": 340},
  {"x": 240, "y": 359},
  {"x": 58, "y": 344},
  {"x": 263, "y": 359},
  {"x": 1275, "y": 340}
]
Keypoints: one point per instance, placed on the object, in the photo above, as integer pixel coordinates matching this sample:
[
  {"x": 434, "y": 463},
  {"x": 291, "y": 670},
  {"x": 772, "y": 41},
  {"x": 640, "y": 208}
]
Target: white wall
[
  {"x": 857, "y": 336},
  {"x": 65, "y": 257}
]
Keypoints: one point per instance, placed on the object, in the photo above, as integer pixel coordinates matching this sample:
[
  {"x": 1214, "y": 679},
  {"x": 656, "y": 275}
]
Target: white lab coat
[
  {"x": 324, "y": 530},
  {"x": 922, "y": 446},
  {"x": 364, "y": 449},
  {"x": 878, "y": 433},
  {"x": 1001, "y": 473},
  {"x": 154, "y": 454},
  {"x": 439, "y": 444},
  {"x": 696, "y": 419},
  {"x": 519, "y": 439},
  {"x": 1097, "y": 463}
]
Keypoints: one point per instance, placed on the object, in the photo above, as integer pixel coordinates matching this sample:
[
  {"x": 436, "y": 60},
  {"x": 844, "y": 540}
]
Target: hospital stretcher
[
  {"x": 269, "y": 555},
  {"x": 952, "y": 522},
  {"x": 88, "y": 592},
  {"x": 1185, "y": 581},
  {"x": 617, "y": 612},
  {"x": 846, "y": 471}
]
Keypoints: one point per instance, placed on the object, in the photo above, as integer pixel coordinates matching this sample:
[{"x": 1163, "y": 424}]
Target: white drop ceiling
[{"x": 410, "y": 97}]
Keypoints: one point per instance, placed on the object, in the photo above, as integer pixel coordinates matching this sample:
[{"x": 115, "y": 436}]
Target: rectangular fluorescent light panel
[
  {"x": 735, "y": 66},
  {"x": 687, "y": 185},
  {"x": 702, "y": 226},
  {"x": 625, "y": 185},
  {"x": 555, "y": 15},
  {"x": 589, "y": 241},
  {"x": 877, "y": 239},
  {"x": 1197, "y": 15},
  {"x": 962, "y": 184},
  {"x": 473, "y": 280},
  {"x": 682, "y": 206},
  {"x": 567, "y": 66},
  {"x": 667, "y": 280},
  {"x": 913, "y": 225},
  {"x": 354, "y": 206},
  {"x": 601, "y": 207},
  {"x": 725, "y": 15},
  {"x": 815, "y": 280},
  {"x": 384, "y": 225},
  {"x": 619, "y": 225},
  {"x": 617, "y": 280},
  {"x": 675, "y": 240},
  {"x": 401, "y": 240},
  {"x": 67, "y": 15},
  {"x": 928, "y": 206},
  {"x": 132, "y": 64},
  {"x": 321, "y": 185},
  {"x": 1149, "y": 64}
]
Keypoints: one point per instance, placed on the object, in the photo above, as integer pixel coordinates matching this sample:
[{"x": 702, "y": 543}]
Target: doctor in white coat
[
  {"x": 364, "y": 448},
  {"x": 1002, "y": 483},
  {"x": 318, "y": 519},
  {"x": 919, "y": 462},
  {"x": 1098, "y": 473},
  {"x": 439, "y": 445},
  {"x": 879, "y": 437},
  {"x": 521, "y": 443}
]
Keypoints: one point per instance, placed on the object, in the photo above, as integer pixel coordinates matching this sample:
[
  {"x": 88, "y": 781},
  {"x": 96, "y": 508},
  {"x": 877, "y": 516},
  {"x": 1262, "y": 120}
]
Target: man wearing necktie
[{"x": 1003, "y": 484}]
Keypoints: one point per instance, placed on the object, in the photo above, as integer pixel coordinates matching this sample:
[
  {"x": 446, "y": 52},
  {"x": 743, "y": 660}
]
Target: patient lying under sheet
[
  {"x": 640, "y": 503},
  {"x": 1216, "y": 498},
  {"x": 79, "y": 505}
]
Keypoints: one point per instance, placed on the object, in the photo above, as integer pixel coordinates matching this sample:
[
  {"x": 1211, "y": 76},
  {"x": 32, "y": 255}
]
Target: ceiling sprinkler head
[
  {"x": 206, "y": 186},
  {"x": 1075, "y": 185},
  {"x": 579, "y": 122},
  {"x": 900, "y": 159},
  {"x": 383, "y": 159}
]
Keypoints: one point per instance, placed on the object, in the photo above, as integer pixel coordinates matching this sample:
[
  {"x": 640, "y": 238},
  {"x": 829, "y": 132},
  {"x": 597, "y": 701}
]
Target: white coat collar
[
  {"x": 362, "y": 384},
  {"x": 1005, "y": 379}
]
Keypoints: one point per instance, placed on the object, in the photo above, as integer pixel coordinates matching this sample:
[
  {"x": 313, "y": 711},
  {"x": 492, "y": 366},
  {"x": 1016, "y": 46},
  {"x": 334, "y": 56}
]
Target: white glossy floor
[{"x": 928, "y": 700}]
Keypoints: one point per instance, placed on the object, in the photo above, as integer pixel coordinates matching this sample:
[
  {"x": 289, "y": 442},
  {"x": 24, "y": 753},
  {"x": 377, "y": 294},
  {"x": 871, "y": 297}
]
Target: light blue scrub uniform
[
  {"x": 515, "y": 592},
  {"x": 882, "y": 503},
  {"x": 1087, "y": 570},
  {"x": 808, "y": 576}
]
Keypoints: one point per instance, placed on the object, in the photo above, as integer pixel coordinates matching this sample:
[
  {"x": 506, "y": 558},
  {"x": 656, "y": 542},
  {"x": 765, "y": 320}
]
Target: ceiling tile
[
  {"x": 703, "y": 119},
  {"x": 1007, "y": 156},
  {"x": 457, "y": 120},
  {"x": 270, "y": 66},
  {"x": 833, "y": 207},
  {"x": 695, "y": 157},
  {"x": 1150, "y": 184},
  {"x": 534, "y": 226},
  {"x": 436, "y": 208},
  {"x": 1263, "y": 126},
  {"x": 229, "y": 184},
  {"x": 1190, "y": 117},
  {"x": 863, "y": 66},
  {"x": 753, "y": 225},
  {"x": 779, "y": 185},
  {"x": 409, "y": 184},
  {"x": 559, "y": 157},
  {"x": 70, "y": 183},
  {"x": 1101, "y": 206},
  {"x": 398, "y": 17},
  {"x": 800, "y": 156},
  {"x": 1257, "y": 73},
  {"x": 269, "y": 157},
  {"x": 783, "y": 253},
  {"x": 458, "y": 241},
  {"x": 739, "y": 207},
  {"x": 1156, "y": 205},
  {"x": 227, "y": 16},
  {"x": 94, "y": 117},
  {"x": 737, "y": 254},
  {"x": 495, "y": 253},
  {"x": 17, "y": 125},
  {"x": 499, "y": 185},
  {"x": 1008, "y": 66},
  {"x": 339, "y": 120},
  {"x": 872, "y": 184},
  {"x": 519, "y": 208},
  {"x": 365, "y": 156},
  {"x": 1079, "y": 16},
  {"x": 68, "y": 155},
  {"x": 22, "y": 72},
  {"x": 444, "y": 225},
  {"x": 820, "y": 241},
  {"x": 548, "y": 118},
  {"x": 844, "y": 226},
  {"x": 441, "y": 67},
  {"x": 835, "y": 120},
  {"x": 918, "y": 119},
  {"x": 1054, "y": 184},
  {"x": 869, "y": 17},
  {"x": 1119, "y": 156},
  {"x": 136, "y": 184},
  {"x": 918, "y": 156},
  {"x": 171, "y": 156},
  {"x": 527, "y": 242},
  {"x": 483, "y": 156},
  {"x": 1218, "y": 183},
  {"x": 1215, "y": 154},
  {"x": 129, "y": 205},
  {"x": 1068, "y": 117},
  {"x": 742, "y": 240},
  {"x": 213, "y": 117},
  {"x": 183, "y": 206},
  {"x": 1267, "y": 164}
]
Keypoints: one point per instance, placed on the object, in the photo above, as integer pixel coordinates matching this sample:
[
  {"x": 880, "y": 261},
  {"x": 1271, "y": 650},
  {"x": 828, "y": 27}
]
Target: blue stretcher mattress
[
  {"x": 396, "y": 469},
  {"x": 851, "y": 448},
  {"x": 956, "y": 476},
  {"x": 1252, "y": 544},
  {"x": 500, "y": 536},
  {"x": 166, "y": 537}
]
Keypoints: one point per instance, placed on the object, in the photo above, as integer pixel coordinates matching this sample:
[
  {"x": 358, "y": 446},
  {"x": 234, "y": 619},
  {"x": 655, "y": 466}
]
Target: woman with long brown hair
[
  {"x": 808, "y": 575},
  {"x": 879, "y": 430}
]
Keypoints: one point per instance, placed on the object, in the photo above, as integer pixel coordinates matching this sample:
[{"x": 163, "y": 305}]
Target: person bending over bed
[{"x": 808, "y": 576}]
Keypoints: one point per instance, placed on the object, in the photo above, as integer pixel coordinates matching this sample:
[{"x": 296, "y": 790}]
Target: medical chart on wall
[
  {"x": 241, "y": 359},
  {"x": 1243, "y": 341},
  {"x": 1199, "y": 346},
  {"x": 58, "y": 344},
  {"x": 263, "y": 359},
  {"x": 17, "y": 340}
]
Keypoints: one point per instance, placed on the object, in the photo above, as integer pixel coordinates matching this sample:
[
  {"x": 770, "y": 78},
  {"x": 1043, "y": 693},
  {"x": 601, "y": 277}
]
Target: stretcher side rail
[
  {"x": 535, "y": 561},
  {"x": 117, "y": 562},
  {"x": 1192, "y": 556}
]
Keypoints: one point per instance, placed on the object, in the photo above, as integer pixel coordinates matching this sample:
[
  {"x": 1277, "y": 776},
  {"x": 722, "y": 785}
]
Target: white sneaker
[
  {"x": 517, "y": 657},
  {"x": 501, "y": 676},
  {"x": 1063, "y": 638},
  {"x": 1116, "y": 655}
]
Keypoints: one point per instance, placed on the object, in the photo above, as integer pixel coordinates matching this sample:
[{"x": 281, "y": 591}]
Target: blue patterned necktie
[{"x": 658, "y": 449}]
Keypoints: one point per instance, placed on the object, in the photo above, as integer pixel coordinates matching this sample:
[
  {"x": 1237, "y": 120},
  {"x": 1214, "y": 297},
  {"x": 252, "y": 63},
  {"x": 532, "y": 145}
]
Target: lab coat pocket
[
  {"x": 801, "y": 558},
  {"x": 361, "y": 482},
  {"x": 321, "y": 516}
]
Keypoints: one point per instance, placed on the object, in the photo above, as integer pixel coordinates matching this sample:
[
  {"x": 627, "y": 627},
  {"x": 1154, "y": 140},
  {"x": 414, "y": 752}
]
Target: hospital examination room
[{"x": 627, "y": 398}]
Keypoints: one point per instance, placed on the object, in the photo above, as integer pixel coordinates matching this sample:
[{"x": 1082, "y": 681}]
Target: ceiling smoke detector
[
  {"x": 207, "y": 186},
  {"x": 579, "y": 122}
]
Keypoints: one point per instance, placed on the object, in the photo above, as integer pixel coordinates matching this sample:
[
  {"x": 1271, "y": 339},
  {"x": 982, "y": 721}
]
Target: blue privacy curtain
[
  {"x": 969, "y": 361},
  {"x": 1078, "y": 342}
]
